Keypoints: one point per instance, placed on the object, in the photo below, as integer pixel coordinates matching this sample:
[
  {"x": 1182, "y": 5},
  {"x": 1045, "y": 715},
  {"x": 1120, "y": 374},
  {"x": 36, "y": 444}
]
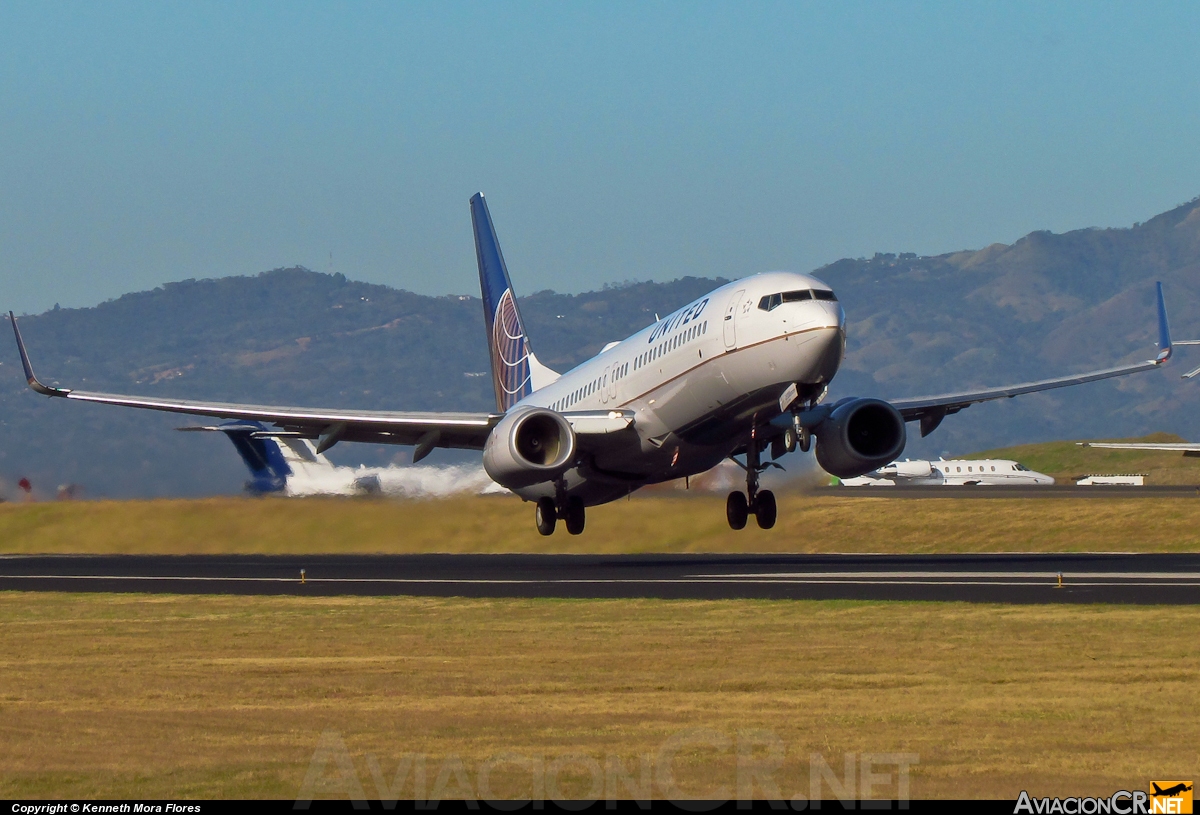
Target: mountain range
[{"x": 1045, "y": 305}]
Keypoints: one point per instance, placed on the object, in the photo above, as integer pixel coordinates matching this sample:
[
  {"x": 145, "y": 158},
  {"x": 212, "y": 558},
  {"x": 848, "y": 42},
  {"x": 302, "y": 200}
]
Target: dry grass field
[
  {"x": 106, "y": 696},
  {"x": 217, "y": 696},
  {"x": 809, "y": 522}
]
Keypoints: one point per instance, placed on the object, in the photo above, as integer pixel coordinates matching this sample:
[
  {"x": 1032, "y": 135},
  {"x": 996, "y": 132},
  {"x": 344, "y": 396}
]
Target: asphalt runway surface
[{"x": 1015, "y": 578}]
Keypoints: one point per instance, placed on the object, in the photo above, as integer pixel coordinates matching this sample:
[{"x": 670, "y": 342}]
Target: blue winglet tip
[{"x": 1164, "y": 330}]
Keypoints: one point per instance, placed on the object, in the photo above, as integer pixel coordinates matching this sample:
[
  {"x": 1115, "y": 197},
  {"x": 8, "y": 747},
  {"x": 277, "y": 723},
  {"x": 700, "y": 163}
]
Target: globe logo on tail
[{"x": 510, "y": 354}]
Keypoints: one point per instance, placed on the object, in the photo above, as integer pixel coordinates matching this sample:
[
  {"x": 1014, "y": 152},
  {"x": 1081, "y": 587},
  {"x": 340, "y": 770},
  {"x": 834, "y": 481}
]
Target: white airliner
[
  {"x": 741, "y": 371},
  {"x": 291, "y": 466},
  {"x": 952, "y": 473}
]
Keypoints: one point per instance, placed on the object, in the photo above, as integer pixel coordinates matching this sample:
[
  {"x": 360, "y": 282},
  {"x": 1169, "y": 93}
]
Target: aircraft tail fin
[
  {"x": 271, "y": 459},
  {"x": 516, "y": 372},
  {"x": 269, "y": 469}
]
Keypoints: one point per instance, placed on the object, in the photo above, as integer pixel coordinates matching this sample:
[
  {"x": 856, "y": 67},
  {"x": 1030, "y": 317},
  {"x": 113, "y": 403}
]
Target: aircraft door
[
  {"x": 604, "y": 380},
  {"x": 730, "y": 321}
]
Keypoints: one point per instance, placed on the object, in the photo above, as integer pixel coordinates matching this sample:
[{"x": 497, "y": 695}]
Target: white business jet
[
  {"x": 951, "y": 473},
  {"x": 742, "y": 371}
]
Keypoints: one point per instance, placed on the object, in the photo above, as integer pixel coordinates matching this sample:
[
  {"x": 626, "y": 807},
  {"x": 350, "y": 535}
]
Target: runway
[{"x": 1016, "y": 578}]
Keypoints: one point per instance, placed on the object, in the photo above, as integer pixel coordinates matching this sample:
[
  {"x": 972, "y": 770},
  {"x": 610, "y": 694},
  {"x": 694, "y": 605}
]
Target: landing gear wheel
[
  {"x": 805, "y": 440},
  {"x": 764, "y": 508},
  {"x": 545, "y": 516},
  {"x": 789, "y": 440},
  {"x": 737, "y": 510},
  {"x": 574, "y": 515}
]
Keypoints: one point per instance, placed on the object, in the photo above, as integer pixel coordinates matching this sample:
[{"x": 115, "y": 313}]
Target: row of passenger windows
[
  {"x": 671, "y": 344},
  {"x": 642, "y": 359},
  {"x": 774, "y": 301},
  {"x": 946, "y": 468},
  {"x": 590, "y": 388}
]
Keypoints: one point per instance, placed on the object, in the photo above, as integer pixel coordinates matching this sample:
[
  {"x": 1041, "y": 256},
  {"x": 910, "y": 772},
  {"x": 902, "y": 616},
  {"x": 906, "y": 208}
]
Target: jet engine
[
  {"x": 529, "y": 446},
  {"x": 858, "y": 436}
]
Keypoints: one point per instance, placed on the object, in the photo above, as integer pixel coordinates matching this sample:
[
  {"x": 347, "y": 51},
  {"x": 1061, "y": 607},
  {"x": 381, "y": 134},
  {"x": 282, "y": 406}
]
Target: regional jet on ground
[
  {"x": 291, "y": 466},
  {"x": 741, "y": 371}
]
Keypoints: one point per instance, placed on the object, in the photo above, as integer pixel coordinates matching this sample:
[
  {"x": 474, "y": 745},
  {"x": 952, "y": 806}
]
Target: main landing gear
[
  {"x": 739, "y": 505},
  {"x": 546, "y": 514}
]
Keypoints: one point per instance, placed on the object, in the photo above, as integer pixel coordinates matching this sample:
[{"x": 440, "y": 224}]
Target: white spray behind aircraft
[{"x": 742, "y": 371}]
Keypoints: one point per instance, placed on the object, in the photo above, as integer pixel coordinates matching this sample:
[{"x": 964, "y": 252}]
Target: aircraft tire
[
  {"x": 789, "y": 440},
  {"x": 575, "y": 516},
  {"x": 545, "y": 516},
  {"x": 765, "y": 510},
  {"x": 805, "y": 443},
  {"x": 736, "y": 510}
]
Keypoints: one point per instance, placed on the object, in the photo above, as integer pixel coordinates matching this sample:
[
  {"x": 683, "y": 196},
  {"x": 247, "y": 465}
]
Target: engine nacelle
[
  {"x": 529, "y": 446},
  {"x": 858, "y": 436}
]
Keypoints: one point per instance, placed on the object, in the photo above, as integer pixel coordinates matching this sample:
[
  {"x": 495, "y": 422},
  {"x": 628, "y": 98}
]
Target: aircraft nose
[{"x": 832, "y": 342}]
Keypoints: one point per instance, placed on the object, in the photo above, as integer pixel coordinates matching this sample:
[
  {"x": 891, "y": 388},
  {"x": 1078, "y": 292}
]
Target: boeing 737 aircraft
[
  {"x": 742, "y": 371},
  {"x": 292, "y": 466}
]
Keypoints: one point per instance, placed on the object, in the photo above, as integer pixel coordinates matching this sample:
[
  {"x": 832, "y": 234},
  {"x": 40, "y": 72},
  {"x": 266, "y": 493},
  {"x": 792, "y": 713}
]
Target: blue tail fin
[
  {"x": 516, "y": 373},
  {"x": 262, "y": 456},
  {"x": 1164, "y": 330}
]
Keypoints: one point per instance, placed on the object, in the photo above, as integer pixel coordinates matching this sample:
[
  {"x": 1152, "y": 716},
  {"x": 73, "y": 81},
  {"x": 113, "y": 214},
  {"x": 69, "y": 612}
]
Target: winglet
[
  {"x": 29, "y": 377},
  {"x": 1164, "y": 332}
]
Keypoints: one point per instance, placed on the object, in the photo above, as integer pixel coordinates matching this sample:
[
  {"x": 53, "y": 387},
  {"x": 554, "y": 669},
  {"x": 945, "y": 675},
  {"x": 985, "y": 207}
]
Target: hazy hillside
[{"x": 1047, "y": 304}]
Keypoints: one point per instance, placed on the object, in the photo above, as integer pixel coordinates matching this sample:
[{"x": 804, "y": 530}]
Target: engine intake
[
  {"x": 529, "y": 446},
  {"x": 858, "y": 436}
]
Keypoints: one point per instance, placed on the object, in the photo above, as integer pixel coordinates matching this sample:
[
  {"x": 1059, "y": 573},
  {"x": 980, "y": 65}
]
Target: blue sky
[{"x": 143, "y": 143}]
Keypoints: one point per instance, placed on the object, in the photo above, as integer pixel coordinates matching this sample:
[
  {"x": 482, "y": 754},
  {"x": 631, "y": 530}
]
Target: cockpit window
[{"x": 771, "y": 302}]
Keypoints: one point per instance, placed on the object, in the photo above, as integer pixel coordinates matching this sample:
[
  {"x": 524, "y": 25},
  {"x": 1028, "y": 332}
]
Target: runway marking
[{"x": 834, "y": 579}]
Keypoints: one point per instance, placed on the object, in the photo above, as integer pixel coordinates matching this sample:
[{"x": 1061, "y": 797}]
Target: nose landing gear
[{"x": 738, "y": 506}]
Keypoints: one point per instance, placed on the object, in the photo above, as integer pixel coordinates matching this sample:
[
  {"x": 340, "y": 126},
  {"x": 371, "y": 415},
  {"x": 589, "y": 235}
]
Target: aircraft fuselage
[{"x": 698, "y": 380}]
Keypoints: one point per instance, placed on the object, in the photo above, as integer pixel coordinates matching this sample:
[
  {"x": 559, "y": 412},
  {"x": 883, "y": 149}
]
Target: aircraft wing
[
  {"x": 1178, "y": 447},
  {"x": 426, "y": 430},
  {"x": 930, "y": 410}
]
